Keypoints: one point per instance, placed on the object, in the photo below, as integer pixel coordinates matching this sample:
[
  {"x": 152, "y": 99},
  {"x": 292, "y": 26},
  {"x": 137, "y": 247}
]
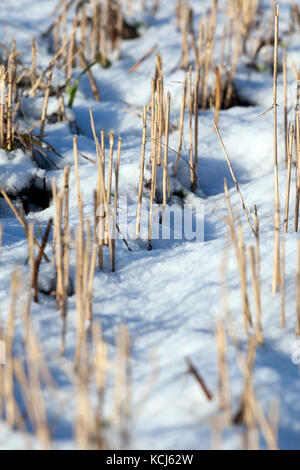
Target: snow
[{"x": 169, "y": 298}]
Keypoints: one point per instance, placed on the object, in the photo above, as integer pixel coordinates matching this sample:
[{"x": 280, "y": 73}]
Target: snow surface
[{"x": 170, "y": 297}]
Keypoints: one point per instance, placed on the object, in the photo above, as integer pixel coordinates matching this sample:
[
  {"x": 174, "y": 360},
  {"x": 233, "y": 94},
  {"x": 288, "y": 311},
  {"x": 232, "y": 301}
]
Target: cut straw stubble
[
  {"x": 191, "y": 148},
  {"x": 142, "y": 168},
  {"x": 102, "y": 192},
  {"x": 276, "y": 268},
  {"x": 234, "y": 178},
  {"x": 297, "y": 151},
  {"x": 45, "y": 106},
  {"x": 224, "y": 386},
  {"x": 288, "y": 178},
  {"x": 285, "y": 106},
  {"x": 2, "y": 97},
  {"x": 282, "y": 287},
  {"x": 21, "y": 220},
  {"x": 298, "y": 294},
  {"x": 196, "y": 130},
  {"x": 241, "y": 261},
  {"x": 218, "y": 95},
  {"x": 153, "y": 175},
  {"x": 181, "y": 125},
  {"x": 39, "y": 259},
  {"x": 166, "y": 152},
  {"x": 256, "y": 292}
]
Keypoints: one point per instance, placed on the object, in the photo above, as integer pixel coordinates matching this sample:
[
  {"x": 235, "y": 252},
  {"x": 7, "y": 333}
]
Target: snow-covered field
[{"x": 171, "y": 297}]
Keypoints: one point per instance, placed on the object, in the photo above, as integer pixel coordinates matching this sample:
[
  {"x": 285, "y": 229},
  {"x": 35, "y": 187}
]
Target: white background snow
[{"x": 170, "y": 297}]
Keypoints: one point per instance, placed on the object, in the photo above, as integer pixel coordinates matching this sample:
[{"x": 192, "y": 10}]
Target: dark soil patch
[
  {"x": 236, "y": 99},
  {"x": 36, "y": 196}
]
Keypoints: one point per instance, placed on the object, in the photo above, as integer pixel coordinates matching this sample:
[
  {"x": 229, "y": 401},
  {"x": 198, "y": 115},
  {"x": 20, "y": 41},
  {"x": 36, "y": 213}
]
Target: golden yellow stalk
[
  {"x": 166, "y": 152},
  {"x": 276, "y": 269},
  {"x": 181, "y": 125},
  {"x": 288, "y": 179},
  {"x": 218, "y": 95},
  {"x": 256, "y": 292},
  {"x": 234, "y": 178}
]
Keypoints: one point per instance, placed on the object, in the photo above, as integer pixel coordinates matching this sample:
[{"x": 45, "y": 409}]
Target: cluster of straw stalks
[
  {"x": 8, "y": 81},
  {"x": 245, "y": 31},
  {"x": 158, "y": 114},
  {"x": 12, "y": 74},
  {"x": 95, "y": 25},
  {"x": 250, "y": 413},
  {"x": 292, "y": 139},
  {"x": 215, "y": 69},
  {"x": 26, "y": 377},
  {"x": 159, "y": 108},
  {"x": 98, "y": 29},
  {"x": 17, "y": 81}
]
